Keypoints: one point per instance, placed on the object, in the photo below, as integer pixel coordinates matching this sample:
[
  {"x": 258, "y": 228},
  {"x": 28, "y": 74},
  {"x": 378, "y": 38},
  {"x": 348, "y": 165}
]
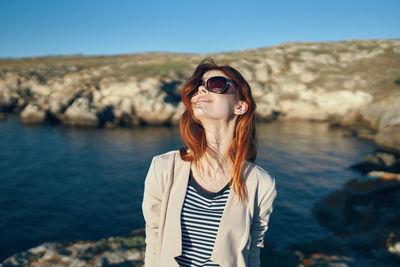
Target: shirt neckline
[{"x": 202, "y": 191}]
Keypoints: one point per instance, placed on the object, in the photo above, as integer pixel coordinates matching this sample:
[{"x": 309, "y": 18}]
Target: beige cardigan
[{"x": 242, "y": 227}]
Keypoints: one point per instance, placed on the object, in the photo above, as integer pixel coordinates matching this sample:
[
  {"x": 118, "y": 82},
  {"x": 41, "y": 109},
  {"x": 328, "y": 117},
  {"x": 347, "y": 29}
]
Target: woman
[{"x": 209, "y": 203}]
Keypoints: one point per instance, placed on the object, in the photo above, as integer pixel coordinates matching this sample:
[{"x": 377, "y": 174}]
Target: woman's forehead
[{"x": 213, "y": 73}]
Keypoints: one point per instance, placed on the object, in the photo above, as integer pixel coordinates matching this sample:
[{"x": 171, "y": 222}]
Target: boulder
[
  {"x": 125, "y": 114},
  {"x": 153, "y": 111},
  {"x": 380, "y": 161},
  {"x": 262, "y": 72},
  {"x": 389, "y": 138},
  {"x": 373, "y": 248},
  {"x": 363, "y": 204},
  {"x": 384, "y": 175},
  {"x": 300, "y": 69},
  {"x": 33, "y": 114},
  {"x": 126, "y": 250},
  {"x": 276, "y": 64},
  {"x": 9, "y": 99},
  {"x": 378, "y": 121},
  {"x": 81, "y": 113},
  {"x": 175, "y": 120},
  {"x": 365, "y": 217}
]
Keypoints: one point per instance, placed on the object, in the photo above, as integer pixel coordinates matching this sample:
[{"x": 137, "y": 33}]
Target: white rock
[
  {"x": 306, "y": 55},
  {"x": 341, "y": 101},
  {"x": 307, "y": 96},
  {"x": 276, "y": 64},
  {"x": 247, "y": 73},
  {"x": 323, "y": 59},
  {"x": 97, "y": 96},
  {"x": 126, "y": 105},
  {"x": 292, "y": 87},
  {"x": 269, "y": 99},
  {"x": 264, "y": 110},
  {"x": 257, "y": 89},
  {"x": 38, "y": 90},
  {"x": 261, "y": 72},
  {"x": 362, "y": 54},
  {"x": 302, "y": 110},
  {"x": 37, "y": 249},
  {"x": 178, "y": 113},
  {"x": 133, "y": 255},
  {"x": 391, "y": 114},
  {"x": 33, "y": 113},
  {"x": 127, "y": 89},
  {"x": 354, "y": 82},
  {"x": 395, "y": 248},
  {"x": 114, "y": 257},
  {"x": 153, "y": 110},
  {"x": 49, "y": 254},
  {"x": 111, "y": 100},
  {"x": 81, "y": 113},
  {"x": 300, "y": 69},
  {"x": 151, "y": 86}
]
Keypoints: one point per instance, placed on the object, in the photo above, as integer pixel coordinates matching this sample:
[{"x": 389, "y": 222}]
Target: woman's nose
[{"x": 202, "y": 89}]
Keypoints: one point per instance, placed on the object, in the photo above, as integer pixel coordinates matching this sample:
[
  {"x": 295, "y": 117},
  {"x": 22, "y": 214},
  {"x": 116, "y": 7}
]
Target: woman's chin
[{"x": 199, "y": 112}]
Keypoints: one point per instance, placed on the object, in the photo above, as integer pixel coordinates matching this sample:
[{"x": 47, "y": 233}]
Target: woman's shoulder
[
  {"x": 170, "y": 155},
  {"x": 255, "y": 175},
  {"x": 166, "y": 158}
]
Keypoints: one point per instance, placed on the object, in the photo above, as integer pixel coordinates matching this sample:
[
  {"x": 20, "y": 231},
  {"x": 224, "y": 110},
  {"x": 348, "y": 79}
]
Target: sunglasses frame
[{"x": 228, "y": 84}]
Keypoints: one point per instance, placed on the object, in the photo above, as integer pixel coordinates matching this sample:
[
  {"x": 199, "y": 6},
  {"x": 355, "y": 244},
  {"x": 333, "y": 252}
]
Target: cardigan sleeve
[
  {"x": 151, "y": 211},
  {"x": 260, "y": 220}
]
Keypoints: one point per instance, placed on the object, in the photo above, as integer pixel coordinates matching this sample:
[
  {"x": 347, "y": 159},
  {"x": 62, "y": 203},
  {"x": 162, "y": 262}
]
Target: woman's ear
[{"x": 241, "y": 108}]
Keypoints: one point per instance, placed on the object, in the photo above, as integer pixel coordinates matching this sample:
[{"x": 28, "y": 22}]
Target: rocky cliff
[{"x": 355, "y": 84}]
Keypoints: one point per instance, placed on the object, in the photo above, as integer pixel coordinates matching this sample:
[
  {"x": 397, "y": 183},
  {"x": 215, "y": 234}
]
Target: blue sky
[{"x": 61, "y": 27}]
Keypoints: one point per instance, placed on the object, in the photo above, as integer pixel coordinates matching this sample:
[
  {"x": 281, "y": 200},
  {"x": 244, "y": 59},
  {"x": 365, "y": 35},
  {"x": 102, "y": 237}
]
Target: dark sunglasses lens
[{"x": 217, "y": 84}]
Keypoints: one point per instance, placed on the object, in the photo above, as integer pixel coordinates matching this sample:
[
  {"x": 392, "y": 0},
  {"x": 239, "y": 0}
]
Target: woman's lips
[{"x": 202, "y": 100}]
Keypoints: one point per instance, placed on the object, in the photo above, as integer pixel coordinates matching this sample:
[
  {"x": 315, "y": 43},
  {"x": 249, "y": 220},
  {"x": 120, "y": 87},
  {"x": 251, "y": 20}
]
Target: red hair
[{"x": 243, "y": 146}]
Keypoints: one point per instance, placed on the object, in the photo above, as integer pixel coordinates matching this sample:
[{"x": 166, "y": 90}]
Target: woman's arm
[
  {"x": 151, "y": 212},
  {"x": 260, "y": 221}
]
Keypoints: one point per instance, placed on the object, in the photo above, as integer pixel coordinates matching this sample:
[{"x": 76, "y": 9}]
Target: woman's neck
[
  {"x": 216, "y": 161},
  {"x": 219, "y": 135}
]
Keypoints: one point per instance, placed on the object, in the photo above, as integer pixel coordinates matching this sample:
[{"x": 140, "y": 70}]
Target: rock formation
[
  {"x": 113, "y": 251},
  {"x": 353, "y": 84},
  {"x": 365, "y": 217}
]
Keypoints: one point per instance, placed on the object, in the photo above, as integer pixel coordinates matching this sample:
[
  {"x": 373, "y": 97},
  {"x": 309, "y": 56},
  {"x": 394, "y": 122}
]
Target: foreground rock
[
  {"x": 380, "y": 161},
  {"x": 365, "y": 217},
  {"x": 113, "y": 251},
  {"x": 344, "y": 251}
]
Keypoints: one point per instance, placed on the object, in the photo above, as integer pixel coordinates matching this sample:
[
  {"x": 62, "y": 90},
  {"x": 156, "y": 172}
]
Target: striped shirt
[{"x": 200, "y": 217}]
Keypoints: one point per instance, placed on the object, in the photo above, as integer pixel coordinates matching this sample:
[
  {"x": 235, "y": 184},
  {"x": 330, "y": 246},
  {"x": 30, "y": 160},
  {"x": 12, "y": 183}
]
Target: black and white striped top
[{"x": 200, "y": 217}]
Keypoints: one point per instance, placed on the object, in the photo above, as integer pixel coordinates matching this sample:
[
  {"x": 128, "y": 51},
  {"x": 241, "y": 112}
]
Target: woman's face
[{"x": 208, "y": 105}]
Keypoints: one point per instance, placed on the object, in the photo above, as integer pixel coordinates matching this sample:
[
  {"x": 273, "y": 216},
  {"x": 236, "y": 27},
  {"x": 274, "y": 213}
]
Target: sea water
[{"x": 59, "y": 183}]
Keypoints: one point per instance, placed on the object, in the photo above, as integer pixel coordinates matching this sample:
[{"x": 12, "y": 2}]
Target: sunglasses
[{"x": 217, "y": 84}]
